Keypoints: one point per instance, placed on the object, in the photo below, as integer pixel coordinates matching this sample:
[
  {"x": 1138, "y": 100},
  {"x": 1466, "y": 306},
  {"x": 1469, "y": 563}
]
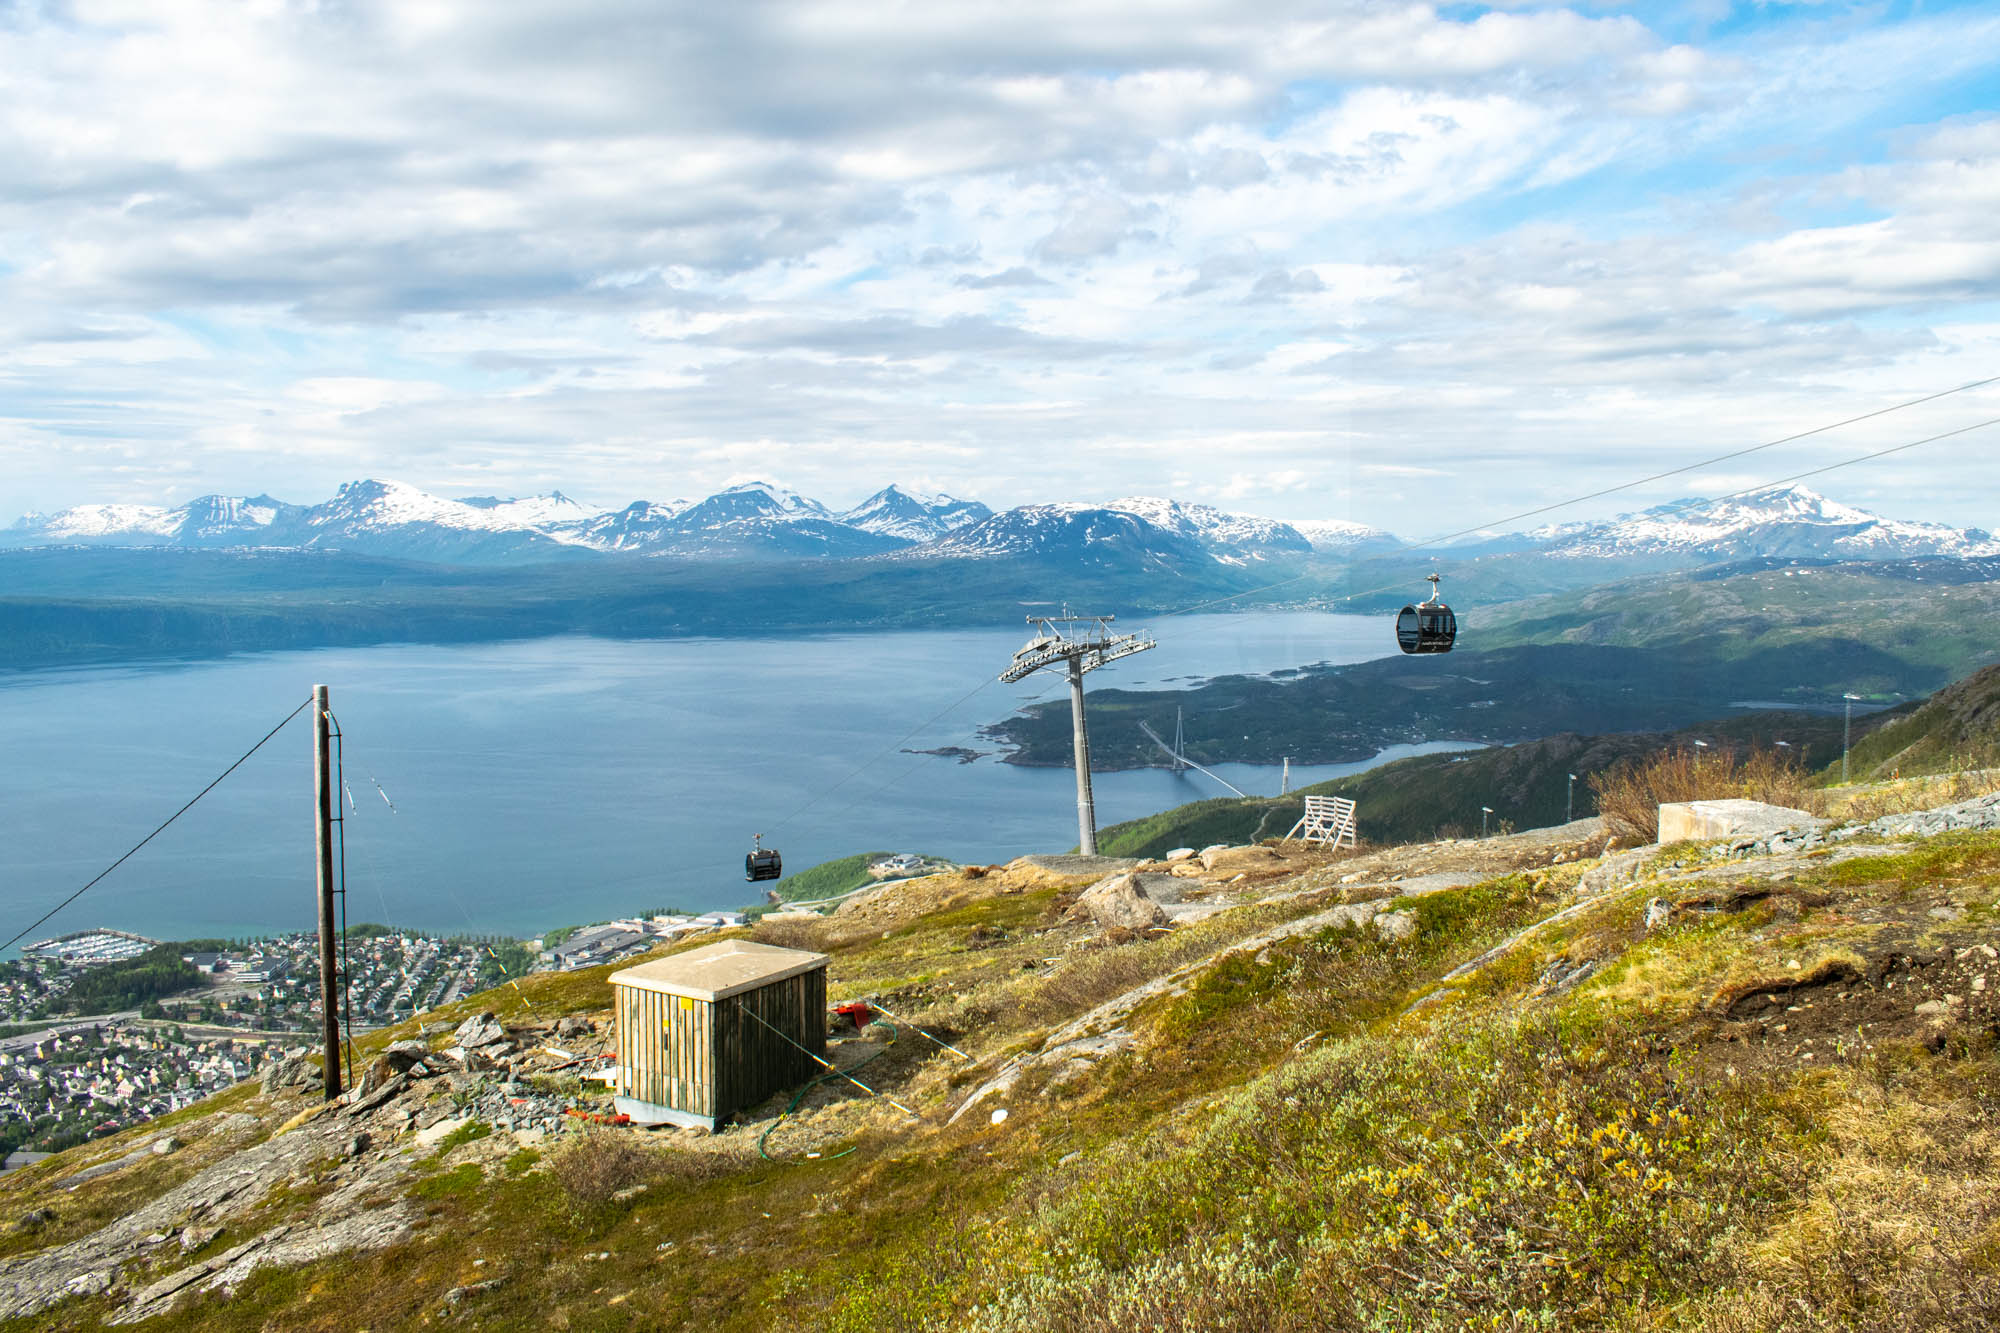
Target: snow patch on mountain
[
  {"x": 1232, "y": 537},
  {"x": 911, "y": 516},
  {"x": 1777, "y": 520},
  {"x": 87, "y": 523},
  {"x": 1339, "y": 535}
]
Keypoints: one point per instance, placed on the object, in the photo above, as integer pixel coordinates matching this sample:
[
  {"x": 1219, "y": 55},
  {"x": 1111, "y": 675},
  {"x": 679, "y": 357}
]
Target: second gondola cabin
[
  {"x": 706, "y": 1033},
  {"x": 1427, "y": 626}
]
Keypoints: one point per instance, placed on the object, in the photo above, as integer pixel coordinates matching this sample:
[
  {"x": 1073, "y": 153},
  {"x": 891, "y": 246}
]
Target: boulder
[
  {"x": 1119, "y": 900},
  {"x": 1180, "y": 854},
  {"x": 575, "y": 1025},
  {"x": 1239, "y": 860},
  {"x": 480, "y": 1031},
  {"x": 290, "y": 1072}
]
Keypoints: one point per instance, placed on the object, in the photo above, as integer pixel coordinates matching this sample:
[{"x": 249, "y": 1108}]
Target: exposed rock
[
  {"x": 1179, "y": 854},
  {"x": 430, "y": 1136},
  {"x": 481, "y": 1030},
  {"x": 366, "y": 1101},
  {"x": 1118, "y": 900},
  {"x": 573, "y": 1026},
  {"x": 169, "y": 1144},
  {"x": 458, "y": 1296},
  {"x": 1396, "y": 926},
  {"x": 290, "y": 1072},
  {"x": 1238, "y": 860},
  {"x": 215, "y": 1197}
]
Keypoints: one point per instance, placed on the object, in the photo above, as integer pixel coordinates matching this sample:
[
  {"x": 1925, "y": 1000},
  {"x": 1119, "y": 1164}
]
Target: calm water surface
[{"x": 558, "y": 780}]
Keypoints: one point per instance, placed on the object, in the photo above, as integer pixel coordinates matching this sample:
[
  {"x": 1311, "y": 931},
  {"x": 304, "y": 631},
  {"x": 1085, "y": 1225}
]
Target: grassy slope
[
  {"x": 1296, "y": 1147},
  {"x": 1957, "y": 728},
  {"x": 828, "y": 877}
]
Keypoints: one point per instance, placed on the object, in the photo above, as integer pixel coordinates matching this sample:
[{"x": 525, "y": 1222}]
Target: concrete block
[{"x": 1696, "y": 821}]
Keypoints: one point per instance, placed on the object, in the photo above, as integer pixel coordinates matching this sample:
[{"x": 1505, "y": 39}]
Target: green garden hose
[{"x": 829, "y": 1075}]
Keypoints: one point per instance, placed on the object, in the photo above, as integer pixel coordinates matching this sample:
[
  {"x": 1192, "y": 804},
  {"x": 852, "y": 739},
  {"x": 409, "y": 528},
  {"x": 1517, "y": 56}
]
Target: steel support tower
[{"x": 1081, "y": 643}]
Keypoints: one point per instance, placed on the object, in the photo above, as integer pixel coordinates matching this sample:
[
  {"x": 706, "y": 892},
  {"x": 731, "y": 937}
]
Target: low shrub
[{"x": 592, "y": 1168}]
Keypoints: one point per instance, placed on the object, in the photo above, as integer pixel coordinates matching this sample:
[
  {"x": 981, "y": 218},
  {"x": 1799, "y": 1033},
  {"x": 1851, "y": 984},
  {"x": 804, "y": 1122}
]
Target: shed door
[{"x": 685, "y": 1056}]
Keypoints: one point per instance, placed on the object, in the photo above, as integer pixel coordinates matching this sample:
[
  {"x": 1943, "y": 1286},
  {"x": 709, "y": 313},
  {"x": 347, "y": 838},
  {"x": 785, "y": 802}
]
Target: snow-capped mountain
[
  {"x": 895, "y": 512},
  {"x": 1233, "y": 538},
  {"x": 1340, "y": 536},
  {"x": 640, "y": 527},
  {"x": 752, "y": 501},
  {"x": 1792, "y": 521},
  {"x": 1076, "y": 535},
  {"x": 208, "y": 521},
  {"x": 762, "y": 521}
]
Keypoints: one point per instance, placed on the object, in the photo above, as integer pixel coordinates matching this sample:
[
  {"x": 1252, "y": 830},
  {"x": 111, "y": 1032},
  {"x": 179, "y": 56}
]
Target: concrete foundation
[{"x": 1698, "y": 821}]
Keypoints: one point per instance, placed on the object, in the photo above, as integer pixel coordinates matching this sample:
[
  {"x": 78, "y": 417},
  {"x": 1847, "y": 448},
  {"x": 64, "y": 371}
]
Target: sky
[{"x": 1412, "y": 265}]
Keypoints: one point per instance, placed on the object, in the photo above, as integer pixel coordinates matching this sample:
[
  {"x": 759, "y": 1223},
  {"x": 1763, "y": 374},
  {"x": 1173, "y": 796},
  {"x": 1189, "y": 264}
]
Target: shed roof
[{"x": 717, "y": 971}]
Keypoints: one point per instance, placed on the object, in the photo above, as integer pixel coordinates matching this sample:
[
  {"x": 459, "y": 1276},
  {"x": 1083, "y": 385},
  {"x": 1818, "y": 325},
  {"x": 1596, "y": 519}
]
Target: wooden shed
[{"x": 716, "y": 1029}]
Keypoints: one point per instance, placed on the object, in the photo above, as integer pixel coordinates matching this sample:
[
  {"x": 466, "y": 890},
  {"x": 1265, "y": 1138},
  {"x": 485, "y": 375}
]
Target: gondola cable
[{"x": 1515, "y": 518}]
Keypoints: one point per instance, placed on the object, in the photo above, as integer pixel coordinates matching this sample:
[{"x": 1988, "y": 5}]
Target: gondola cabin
[
  {"x": 1427, "y": 627},
  {"x": 709, "y": 1032},
  {"x": 763, "y": 862}
]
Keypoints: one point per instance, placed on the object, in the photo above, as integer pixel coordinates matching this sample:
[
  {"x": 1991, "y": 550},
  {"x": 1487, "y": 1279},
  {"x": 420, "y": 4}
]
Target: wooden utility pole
[{"x": 329, "y": 972}]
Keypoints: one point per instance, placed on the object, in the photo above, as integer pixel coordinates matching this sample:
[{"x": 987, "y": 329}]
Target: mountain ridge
[{"x": 760, "y": 520}]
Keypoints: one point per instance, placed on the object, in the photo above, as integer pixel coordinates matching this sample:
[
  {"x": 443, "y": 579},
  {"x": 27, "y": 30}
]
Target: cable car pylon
[{"x": 1082, "y": 643}]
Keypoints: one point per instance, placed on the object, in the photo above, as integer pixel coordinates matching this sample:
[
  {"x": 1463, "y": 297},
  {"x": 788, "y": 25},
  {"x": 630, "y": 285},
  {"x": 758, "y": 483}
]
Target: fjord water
[{"x": 544, "y": 782}]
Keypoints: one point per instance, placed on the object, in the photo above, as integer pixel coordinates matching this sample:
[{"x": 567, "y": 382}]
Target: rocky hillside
[{"x": 1527, "y": 1082}]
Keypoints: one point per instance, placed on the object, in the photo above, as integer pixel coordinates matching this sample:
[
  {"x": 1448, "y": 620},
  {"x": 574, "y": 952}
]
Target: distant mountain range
[{"x": 759, "y": 521}]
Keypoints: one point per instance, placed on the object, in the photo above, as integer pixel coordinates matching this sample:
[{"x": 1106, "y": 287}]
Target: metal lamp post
[
  {"x": 1847, "y": 734},
  {"x": 1569, "y": 801},
  {"x": 1484, "y": 811}
]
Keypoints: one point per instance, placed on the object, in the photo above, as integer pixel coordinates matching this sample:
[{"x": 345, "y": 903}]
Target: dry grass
[
  {"x": 592, "y": 1169},
  {"x": 1630, "y": 795},
  {"x": 1898, "y": 1228},
  {"x": 1905, "y": 795}
]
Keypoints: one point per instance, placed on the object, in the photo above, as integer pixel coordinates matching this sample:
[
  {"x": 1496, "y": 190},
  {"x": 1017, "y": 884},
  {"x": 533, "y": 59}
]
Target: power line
[
  {"x": 914, "y": 732},
  {"x": 1738, "y": 453},
  {"x": 22, "y": 934},
  {"x": 1405, "y": 545}
]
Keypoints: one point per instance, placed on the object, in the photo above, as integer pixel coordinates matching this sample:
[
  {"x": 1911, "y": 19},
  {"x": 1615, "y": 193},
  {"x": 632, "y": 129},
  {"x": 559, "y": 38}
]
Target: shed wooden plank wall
[
  {"x": 712, "y": 1059},
  {"x": 755, "y": 1061},
  {"x": 666, "y": 1044}
]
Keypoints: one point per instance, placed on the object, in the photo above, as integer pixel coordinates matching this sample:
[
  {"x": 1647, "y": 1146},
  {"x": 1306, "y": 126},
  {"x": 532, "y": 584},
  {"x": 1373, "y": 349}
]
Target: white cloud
[{"x": 1051, "y": 248}]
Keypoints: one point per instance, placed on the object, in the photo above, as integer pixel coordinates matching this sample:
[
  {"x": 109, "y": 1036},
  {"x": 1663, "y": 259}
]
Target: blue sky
[{"x": 1310, "y": 260}]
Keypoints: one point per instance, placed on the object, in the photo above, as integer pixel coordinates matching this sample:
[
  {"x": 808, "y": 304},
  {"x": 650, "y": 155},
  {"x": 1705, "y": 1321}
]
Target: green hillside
[
  {"x": 827, "y": 878},
  {"x": 1956, "y": 728},
  {"x": 1677, "y": 1091},
  {"x": 1439, "y": 795}
]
